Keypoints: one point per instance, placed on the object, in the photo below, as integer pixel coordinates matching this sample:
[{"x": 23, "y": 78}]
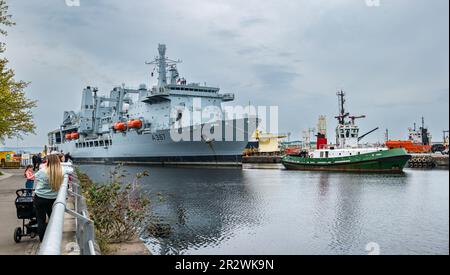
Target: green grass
[{"x": 1, "y": 174}]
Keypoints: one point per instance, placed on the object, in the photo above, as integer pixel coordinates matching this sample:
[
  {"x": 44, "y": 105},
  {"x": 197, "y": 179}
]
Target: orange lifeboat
[
  {"x": 69, "y": 136},
  {"x": 135, "y": 124},
  {"x": 75, "y": 136},
  {"x": 120, "y": 126}
]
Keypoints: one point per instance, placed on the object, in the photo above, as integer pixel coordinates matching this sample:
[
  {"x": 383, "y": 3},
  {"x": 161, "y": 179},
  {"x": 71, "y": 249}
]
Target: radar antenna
[{"x": 162, "y": 63}]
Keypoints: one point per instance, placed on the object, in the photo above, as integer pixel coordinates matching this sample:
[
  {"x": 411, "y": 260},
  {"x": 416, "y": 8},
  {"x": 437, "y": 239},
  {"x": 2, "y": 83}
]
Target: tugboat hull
[{"x": 389, "y": 161}]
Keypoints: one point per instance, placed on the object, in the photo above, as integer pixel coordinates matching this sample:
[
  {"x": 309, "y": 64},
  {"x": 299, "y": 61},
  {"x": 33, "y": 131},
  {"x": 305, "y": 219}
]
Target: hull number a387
[{"x": 158, "y": 137}]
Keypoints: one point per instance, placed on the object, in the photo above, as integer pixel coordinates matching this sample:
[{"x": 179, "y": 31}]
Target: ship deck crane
[
  {"x": 368, "y": 133},
  {"x": 353, "y": 118}
]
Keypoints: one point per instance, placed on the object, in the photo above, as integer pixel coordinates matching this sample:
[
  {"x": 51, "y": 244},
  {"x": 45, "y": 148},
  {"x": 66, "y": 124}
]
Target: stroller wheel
[
  {"x": 32, "y": 234},
  {"x": 18, "y": 234}
]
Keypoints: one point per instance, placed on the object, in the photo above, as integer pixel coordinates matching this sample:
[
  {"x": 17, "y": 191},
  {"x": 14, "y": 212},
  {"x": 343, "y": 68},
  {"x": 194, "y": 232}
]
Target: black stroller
[{"x": 26, "y": 212}]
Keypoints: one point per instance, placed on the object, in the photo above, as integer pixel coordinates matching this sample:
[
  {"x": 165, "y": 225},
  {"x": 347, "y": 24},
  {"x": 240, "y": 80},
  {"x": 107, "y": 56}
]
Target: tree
[{"x": 16, "y": 118}]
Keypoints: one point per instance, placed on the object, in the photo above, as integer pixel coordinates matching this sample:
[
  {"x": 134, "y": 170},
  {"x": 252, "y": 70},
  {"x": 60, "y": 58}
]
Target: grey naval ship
[{"x": 137, "y": 125}]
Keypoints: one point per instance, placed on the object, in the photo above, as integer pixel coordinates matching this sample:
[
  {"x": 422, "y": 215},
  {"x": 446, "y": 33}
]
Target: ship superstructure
[
  {"x": 419, "y": 140},
  {"x": 137, "y": 125}
]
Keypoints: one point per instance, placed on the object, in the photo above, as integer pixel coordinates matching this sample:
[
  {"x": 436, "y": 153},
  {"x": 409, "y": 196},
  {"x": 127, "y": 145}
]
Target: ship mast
[
  {"x": 342, "y": 114},
  {"x": 162, "y": 77},
  {"x": 347, "y": 133},
  {"x": 162, "y": 63}
]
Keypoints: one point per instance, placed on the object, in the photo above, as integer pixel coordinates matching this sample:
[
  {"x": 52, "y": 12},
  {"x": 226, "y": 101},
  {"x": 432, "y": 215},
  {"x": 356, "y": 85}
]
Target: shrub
[{"x": 117, "y": 208}]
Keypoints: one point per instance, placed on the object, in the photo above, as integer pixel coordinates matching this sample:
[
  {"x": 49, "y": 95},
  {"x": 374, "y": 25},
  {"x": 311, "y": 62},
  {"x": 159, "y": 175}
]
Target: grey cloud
[
  {"x": 225, "y": 34},
  {"x": 248, "y": 50},
  {"x": 249, "y": 22},
  {"x": 285, "y": 54},
  {"x": 275, "y": 77}
]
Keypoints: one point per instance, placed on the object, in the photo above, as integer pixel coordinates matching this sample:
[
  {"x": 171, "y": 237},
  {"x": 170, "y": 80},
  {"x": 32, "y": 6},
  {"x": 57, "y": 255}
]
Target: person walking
[
  {"x": 48, "y": 182},
  {"x": 34, "y": 159},
  {"x": 39, "y": 160}
]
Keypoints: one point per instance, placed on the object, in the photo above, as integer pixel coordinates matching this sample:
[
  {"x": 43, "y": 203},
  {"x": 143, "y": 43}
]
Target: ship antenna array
[
  {"x": 342, "y": 114},
  {"x": 161, "y": 62},
  {"x": 168, "y": 62}
]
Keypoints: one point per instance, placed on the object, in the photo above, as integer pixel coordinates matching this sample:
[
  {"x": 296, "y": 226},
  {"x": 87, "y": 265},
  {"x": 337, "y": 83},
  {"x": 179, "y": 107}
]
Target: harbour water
[{"x": 273, "y": 211}]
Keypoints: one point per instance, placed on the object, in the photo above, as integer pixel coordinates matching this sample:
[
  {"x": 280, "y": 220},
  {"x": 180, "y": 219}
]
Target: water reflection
[
  {"x": 233, "y": 211},
  {"x": 203, "y": 207}
]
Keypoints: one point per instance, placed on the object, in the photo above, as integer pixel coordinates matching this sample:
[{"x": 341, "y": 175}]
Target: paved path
[
  {"x": 9, "y": 183},
  {"x": 8, "y": 186}
]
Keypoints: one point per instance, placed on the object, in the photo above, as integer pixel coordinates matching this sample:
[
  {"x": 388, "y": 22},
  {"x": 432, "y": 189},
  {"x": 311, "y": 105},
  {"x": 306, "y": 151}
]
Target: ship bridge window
[
  {"x": 96, "y": 143},
  {"x": 102, "y": 143},
  {"x": 106, "y": 142}
]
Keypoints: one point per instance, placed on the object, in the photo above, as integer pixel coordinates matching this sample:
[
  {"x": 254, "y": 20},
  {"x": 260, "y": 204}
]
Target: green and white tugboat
[{"x": 348, "y": 155}]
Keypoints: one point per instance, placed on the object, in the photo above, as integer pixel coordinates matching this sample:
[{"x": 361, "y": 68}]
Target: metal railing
[{"x": 85, "y": 236}]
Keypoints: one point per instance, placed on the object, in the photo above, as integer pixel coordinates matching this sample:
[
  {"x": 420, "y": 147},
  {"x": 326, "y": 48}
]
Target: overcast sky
[{"x": 392, "y": 60}]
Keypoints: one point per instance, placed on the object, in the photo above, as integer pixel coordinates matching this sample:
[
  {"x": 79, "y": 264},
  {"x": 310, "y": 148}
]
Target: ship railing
[
  {"x": 85, "y": 234},
  {"x": 335, "y": 147}
]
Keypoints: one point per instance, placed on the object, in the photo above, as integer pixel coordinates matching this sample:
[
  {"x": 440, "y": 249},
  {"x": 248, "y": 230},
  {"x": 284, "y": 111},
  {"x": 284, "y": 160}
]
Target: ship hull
[
  {"x": 159, "y": 148},
  {"x": 229, "y": 160},
  {"x": 389, "y": 161}
]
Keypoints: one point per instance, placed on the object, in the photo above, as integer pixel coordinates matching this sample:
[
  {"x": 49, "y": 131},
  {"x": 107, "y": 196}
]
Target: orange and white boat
[{"x": 419, "y": 141}]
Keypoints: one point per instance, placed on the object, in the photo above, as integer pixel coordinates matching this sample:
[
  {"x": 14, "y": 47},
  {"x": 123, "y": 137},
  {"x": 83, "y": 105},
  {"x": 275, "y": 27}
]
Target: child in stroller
[{"x": 25, "y": 212}]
